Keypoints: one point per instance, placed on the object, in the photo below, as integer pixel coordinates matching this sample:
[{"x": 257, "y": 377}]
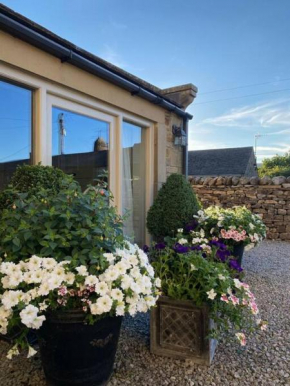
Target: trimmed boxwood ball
[
  {"x": 173, "y": 207},
  {"x": 31, "y": 179}
]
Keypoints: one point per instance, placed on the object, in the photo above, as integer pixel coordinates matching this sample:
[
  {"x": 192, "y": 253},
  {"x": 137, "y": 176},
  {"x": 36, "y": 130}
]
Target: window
[
  {"x": 80, "y": 145},
  {"x": 15, "y": 129},
  {"x": 134, "y": 180}
]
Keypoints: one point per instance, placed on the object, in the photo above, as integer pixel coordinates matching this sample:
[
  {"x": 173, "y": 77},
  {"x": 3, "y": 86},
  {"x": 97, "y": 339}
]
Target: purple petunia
[
  {"x": 235, "y": 265},
  {"x": 191, "y": 226},
  {"x": 160, "y": 246},
  {"x": 146, "y": 248},
  {"x": 178, "y": 248}
]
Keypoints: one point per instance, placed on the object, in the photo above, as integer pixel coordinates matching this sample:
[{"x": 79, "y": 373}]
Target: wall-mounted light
[{"x": 179, "y": 136}]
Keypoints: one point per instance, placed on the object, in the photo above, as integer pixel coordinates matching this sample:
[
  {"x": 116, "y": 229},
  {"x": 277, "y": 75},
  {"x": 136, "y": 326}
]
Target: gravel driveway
[{"x": 264, "y": 361}]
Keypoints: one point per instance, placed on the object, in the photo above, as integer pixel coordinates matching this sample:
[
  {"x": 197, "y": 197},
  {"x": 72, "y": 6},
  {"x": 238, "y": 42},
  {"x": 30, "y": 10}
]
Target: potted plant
[
  {"x": 200, "y": 301},
  {"x": 68, "y": 273},
  {"x": 236, "y": 227}
]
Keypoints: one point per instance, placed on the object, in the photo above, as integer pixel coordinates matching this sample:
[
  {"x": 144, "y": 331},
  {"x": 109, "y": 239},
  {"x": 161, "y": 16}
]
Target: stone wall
[{"x": 268, "y": 197}]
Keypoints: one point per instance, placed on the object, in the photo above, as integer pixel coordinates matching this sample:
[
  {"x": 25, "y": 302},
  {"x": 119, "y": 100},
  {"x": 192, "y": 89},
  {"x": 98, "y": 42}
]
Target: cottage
[
  {"x": 63, "y": 106},
  {"x": 238, "y": 161}
]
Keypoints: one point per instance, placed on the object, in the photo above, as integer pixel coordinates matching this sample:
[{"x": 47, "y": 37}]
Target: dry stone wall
[{"x": 269, "y": 197}]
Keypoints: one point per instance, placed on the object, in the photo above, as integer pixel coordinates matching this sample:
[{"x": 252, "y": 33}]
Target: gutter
[{"x": 69, "y": 55}]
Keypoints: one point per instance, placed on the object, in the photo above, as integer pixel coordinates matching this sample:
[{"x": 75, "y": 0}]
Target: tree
[
  {"x": 173, "y": 207},
  {"x": 279, "y": 165}
]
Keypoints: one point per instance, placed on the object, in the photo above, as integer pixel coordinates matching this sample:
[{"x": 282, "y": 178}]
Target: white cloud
[
  {"x": 112, "y": 56},
  {"x": 274, "y": 114},
  {"x": 195, "y": 144},
  {"x": 278, "y": 149}
]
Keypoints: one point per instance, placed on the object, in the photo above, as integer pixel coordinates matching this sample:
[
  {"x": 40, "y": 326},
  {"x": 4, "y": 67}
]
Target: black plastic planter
[
  {"x": 78, "y": 354},
  {"x": 238, "y": 252}
]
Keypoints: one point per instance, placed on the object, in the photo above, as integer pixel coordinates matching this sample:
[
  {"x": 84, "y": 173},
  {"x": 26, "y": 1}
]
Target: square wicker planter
[{"x": 178, "y": 329}]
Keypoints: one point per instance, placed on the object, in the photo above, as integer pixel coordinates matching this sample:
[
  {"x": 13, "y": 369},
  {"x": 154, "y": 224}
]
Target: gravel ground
[{"x": 264, "y": 361}]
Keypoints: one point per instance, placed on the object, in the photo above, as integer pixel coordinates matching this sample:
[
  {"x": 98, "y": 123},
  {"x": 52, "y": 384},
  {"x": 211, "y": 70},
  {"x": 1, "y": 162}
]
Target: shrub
[
  {"x": 70, "y": 225},
  {"x": 173, "y": 207},
  {"x": 31, "y": 179}
]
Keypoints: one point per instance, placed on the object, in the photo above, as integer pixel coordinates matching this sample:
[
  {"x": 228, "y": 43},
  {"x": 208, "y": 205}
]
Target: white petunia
[
  {"x": 180, "y": 230},
  {"x": 101, "y": 288},
  {"x": 69, "y": 278},
  {"x": 237, "y": 282},
  {"x": 109, "y": 257},
  {"x": 126, "y": 282},
  {"x": 211, "y": 294},
  {"x": 28, "y": 314},
  {"x": 105, "y": 303},
  {"x": 91, "y": 280},
  {"x": 221, "y": 277},
  {"x": 13, "y": 351},
  {"x": 49, "y": 263},
  {"x": 34, "y": 263},
  {"x": 44, "y": 289},
  {"x": 31, "y": 352},
  {"x": 193, "y": 267},
  {"x": 82, "y": 270},
  {"x": 120, "y": 309},
  {"x": 111, "y": 274},
  {"x": 157, "y": 282},
  {"x": 117, "y": 294},
  {"x": 11, "y": 298}
]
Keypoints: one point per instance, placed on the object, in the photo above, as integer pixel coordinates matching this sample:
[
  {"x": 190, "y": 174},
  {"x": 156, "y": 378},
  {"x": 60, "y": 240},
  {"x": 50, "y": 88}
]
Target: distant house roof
[{"x": 239, "y": 161}]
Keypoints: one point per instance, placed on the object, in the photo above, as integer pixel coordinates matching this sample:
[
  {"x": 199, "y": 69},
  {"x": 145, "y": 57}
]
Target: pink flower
[
  {"x": 253, "y": 307},
  {"x": 224, "y": 298},
  {"x": 241, "y": 338},
  {"x": 62, "y": 291},
  {"x": 234, "y": 300},
  {"x": 245, "y": 302}
]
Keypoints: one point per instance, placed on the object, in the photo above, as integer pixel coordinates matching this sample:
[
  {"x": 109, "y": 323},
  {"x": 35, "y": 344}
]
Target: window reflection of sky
[
  {"x": 15, "y": 122},
  {"x": 132, "y": 134},
  {"x": 81, "y": 132}
]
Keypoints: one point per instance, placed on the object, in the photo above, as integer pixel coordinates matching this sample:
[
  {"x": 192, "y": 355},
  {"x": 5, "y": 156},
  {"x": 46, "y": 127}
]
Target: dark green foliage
[
  {"x": 173, "y": 207},
  {"x": 31, "y": 179},
  {"x": 70, "y": 225}
]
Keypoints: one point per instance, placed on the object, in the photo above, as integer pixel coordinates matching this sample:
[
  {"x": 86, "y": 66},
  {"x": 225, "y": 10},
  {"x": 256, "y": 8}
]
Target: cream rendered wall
[{"x": 41, "y": 65}]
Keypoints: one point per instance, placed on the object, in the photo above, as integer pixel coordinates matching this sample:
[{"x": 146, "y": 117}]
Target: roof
[
  {"x": 220, "y": 162},
  {"x": 50, "y": 36}
]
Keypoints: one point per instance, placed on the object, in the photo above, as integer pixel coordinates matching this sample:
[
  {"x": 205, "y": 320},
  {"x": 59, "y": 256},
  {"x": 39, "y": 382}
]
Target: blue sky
[{"x": 228, "y": 49}]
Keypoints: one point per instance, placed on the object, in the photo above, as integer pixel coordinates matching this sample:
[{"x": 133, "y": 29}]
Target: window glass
[
  {"x": 133, "y": 181},
  {"x": 15, "y": 129},
  {"x": 80, "y": 145}
]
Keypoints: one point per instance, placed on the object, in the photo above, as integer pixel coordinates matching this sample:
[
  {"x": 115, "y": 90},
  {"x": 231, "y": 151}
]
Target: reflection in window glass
[
  {"x": 133, "y": 181},
  {"x": 15, "y": 129},
  {"x": 80, "y": 145}
]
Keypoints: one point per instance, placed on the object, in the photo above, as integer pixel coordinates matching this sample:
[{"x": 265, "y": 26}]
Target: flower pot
[
  {"x": 75, "y": 353},
  {"x": 179, "y": 329},
  {"x": 238, "y": 252}
]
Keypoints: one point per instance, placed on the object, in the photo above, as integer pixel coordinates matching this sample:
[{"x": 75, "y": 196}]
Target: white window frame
[
  {"x": 55, "y": 101},
  {"x": 46, "y": 93}
]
